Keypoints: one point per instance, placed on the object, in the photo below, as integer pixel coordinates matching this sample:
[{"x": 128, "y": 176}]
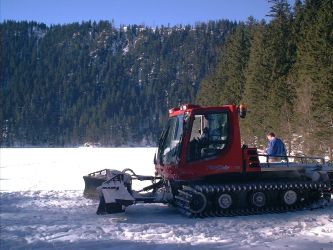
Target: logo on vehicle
[{"x": 218, "y": 167}]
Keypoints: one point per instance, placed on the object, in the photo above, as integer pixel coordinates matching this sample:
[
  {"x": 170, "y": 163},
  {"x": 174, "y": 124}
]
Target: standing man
[{"x": 275, "y": 148}]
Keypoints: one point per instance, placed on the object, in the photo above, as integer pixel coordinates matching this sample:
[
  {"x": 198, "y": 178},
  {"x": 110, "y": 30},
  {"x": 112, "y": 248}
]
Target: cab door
[{"x": 210, "y": 149}]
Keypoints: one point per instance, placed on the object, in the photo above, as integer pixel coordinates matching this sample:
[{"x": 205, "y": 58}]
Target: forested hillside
[
  {"x": 68, "y": 84},
  {"x": 283, "y": 71}
]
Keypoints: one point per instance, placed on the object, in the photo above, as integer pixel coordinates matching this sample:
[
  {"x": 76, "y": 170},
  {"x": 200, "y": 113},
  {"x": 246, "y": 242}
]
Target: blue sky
[{"x": 148, "y": 12}]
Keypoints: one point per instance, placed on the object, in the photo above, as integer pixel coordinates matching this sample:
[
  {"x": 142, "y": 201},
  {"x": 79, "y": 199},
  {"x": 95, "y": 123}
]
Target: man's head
[{"x": 270, "y": 136}]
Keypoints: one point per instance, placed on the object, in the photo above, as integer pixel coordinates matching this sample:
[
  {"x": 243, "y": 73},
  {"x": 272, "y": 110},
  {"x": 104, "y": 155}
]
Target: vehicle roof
[{"x": 197, "y": 108}]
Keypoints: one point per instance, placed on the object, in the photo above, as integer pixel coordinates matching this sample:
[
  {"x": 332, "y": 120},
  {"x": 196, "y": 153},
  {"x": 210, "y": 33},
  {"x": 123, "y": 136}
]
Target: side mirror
[{"x": 242, "y": 110}]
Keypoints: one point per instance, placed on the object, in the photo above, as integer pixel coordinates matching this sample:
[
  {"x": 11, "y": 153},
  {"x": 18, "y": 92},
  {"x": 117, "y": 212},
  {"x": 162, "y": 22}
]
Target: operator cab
[
  {"x": 200, "y": 141},
  {"x": 207, "y": 136}
]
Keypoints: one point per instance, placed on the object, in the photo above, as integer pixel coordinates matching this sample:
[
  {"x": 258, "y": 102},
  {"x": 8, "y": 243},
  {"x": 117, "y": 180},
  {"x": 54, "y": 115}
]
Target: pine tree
[
  {"x": 314, "y": 72},
  {"x": 282, "y": 47},
  {"x": 257, "y": 84}
]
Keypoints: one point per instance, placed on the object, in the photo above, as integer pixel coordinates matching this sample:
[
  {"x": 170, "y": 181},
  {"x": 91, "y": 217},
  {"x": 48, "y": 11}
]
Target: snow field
[
  {"x": 63, "y": 168},
  {"x": 43, "y": 208},
  {"x": 66, "y": 220}
]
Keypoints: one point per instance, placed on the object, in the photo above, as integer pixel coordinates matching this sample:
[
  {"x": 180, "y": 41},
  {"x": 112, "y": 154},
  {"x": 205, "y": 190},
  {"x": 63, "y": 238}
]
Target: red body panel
[{"x": 230, "y": 160}]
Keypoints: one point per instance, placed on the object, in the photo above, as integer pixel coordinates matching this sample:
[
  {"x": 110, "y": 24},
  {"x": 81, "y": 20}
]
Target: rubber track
[{"x": 183, "y": 199}]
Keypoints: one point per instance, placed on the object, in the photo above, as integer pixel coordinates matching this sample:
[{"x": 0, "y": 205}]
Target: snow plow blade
[
  {"x": 115, "y": 193},
  {"x": 114, "y": 189}
]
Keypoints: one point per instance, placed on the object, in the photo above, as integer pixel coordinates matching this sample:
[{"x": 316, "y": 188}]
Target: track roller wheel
[
  {"x": 289, "y": 197},
  {"x": 258, "y": 199},
  {"x": 224, "y": 201},
  {"x": 198, "y": 203}
]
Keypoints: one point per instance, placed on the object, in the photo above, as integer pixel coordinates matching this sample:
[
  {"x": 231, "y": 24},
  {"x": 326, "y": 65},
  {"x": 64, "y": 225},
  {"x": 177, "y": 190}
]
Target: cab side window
[{"x": 209, "y": 136}]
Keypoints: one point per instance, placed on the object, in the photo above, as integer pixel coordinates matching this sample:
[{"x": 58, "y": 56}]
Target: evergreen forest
[
  {"x": 64, "y": 85},
  {"x": 283, "y": 72}
]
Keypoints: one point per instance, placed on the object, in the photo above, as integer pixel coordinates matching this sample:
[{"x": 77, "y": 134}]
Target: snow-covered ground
[{"x": 42, "y": 208}]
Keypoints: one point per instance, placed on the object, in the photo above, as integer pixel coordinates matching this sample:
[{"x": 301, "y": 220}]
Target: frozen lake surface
[
  {"x": 63, "y": 168},
  {"x": 42, "y": 208}
]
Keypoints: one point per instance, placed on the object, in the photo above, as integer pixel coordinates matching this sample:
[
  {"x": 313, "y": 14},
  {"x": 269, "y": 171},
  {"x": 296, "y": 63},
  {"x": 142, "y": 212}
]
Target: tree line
[
  {"x": 283, "y": 71},
  {"x": 65, "y": 85}
]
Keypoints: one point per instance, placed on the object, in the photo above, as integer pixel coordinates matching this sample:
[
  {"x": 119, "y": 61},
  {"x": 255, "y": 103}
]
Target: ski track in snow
[
  {"x": 60, "y": 219},
  {"x": 66, "y": 220}
]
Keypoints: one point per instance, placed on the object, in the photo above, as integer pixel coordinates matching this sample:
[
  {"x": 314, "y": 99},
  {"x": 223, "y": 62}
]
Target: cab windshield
[{"x": 170, "y": 142}]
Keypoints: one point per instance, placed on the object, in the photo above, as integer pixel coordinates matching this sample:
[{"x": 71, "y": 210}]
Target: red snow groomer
[{"x": 203, "y": 169}]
